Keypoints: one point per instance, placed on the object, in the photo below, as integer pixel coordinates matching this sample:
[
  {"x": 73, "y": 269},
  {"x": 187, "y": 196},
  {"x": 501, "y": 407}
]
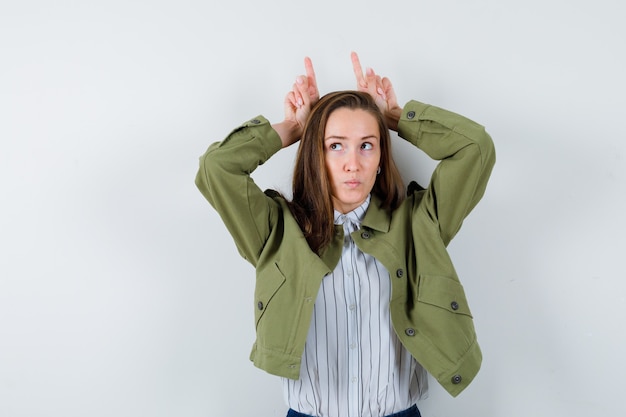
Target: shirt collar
[{"x": 355, "y": 216}]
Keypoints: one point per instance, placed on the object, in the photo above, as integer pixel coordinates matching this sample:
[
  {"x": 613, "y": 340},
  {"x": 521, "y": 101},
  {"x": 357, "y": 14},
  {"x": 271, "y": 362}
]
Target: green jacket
[{"x": 428, "y": 306}]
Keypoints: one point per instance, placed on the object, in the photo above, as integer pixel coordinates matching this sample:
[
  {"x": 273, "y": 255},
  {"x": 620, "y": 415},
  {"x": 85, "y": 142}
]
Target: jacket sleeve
[
  {"x": 466, "y": 154},
  {"x": 224, "y": 180}
]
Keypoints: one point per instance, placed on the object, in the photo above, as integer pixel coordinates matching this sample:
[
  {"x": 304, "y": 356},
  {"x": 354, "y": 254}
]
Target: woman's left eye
[{"x": 367, "y": 146}]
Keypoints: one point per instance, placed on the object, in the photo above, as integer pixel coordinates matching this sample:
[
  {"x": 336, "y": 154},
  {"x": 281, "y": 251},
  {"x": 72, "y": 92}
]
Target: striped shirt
[{"x": 353, "y": 364}]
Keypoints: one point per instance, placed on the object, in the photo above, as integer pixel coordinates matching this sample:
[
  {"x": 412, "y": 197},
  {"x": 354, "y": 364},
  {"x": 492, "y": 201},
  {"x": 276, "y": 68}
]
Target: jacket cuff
[
  {"x": 411, "y": 115},
  {"x": 259, "y": 127}
]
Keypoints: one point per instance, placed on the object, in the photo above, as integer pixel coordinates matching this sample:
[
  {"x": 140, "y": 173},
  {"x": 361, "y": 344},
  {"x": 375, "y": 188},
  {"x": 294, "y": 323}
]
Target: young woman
[{"x": 356, "y": 297}]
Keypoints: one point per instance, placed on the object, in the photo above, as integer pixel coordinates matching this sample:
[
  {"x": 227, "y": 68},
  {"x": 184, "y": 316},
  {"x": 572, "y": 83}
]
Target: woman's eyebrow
[{"x": 345, "y": 137}]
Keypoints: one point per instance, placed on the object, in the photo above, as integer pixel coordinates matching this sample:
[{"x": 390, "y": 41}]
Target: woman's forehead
[{"x": 346, "y": 123}]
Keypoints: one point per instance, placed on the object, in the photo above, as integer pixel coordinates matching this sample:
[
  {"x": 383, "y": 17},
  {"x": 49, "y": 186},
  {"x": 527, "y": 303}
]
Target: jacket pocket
[
  {"x": 443, "y": 292},
  {"x": 268, "y": 283},
  {"x": 443, "y": 316}
]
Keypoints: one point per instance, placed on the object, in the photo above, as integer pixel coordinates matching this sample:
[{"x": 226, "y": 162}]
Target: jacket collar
[{"x": 377, "y": 218}]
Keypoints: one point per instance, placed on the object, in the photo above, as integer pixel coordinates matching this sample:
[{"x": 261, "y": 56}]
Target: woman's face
[{"x": 352, "y": 155}]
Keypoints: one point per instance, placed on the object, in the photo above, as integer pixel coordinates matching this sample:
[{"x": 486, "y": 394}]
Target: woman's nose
[{"x": 352, "y": 162}]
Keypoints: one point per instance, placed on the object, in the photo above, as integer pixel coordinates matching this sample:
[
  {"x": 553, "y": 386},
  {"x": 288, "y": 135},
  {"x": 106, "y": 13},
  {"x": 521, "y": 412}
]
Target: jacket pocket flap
[
  {"x": 443, "y": 292},
  {"x": 268, "y": 284}
]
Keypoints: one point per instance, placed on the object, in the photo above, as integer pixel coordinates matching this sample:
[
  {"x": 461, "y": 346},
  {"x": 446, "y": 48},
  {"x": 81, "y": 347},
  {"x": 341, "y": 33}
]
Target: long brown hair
[{"x": 312, "y": 199}]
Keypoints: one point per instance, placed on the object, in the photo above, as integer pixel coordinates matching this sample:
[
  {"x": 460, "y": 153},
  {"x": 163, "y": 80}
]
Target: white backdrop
[{"x": 114, "y": 270}]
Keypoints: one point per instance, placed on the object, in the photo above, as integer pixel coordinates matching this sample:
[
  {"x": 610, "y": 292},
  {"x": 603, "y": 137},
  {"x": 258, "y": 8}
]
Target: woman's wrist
[
  {"x": 392, "y": 117},
  {"x": 289, "y": 132}
]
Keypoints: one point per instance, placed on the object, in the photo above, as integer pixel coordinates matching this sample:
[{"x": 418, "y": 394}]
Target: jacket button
[
  {"x": 365, "y": 235},
  {"x": 255, "y": 121},
  {"x": 400, "y": 273},
  {"x": 454, "y": 305},
  {"x": 410, "y": 332},
  {"x": 456, "y": 379},
  {"x": 410, "y": 115},
  {"x": 260, "y": 305}
]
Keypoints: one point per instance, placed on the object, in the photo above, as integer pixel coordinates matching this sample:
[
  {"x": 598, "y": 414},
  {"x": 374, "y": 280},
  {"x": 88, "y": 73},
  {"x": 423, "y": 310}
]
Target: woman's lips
[{"x": 352, "y": 183}]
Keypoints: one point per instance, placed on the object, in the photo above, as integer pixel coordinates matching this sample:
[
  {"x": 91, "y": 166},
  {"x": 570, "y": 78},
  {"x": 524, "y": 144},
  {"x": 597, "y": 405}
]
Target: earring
[{"x": 378, "y": 172}]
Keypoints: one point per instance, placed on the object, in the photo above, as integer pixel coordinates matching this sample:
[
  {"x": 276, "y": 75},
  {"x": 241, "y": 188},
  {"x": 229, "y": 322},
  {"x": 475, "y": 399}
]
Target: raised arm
[
  {"x": 466, "y": 157},
  {"x": 224, "y": 174}
]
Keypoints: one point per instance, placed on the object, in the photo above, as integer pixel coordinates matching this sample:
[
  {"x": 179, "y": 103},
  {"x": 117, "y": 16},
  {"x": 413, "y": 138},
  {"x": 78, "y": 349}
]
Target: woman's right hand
[{"x": 298, "y": 102}]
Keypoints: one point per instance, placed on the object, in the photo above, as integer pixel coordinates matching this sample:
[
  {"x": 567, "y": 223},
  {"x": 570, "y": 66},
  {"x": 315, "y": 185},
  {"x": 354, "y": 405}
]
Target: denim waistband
[{"x": 409, "y": 412}]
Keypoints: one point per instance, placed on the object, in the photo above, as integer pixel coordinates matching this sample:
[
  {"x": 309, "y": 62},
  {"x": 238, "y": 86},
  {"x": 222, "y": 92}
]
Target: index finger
[
  {"x": 358, "y": 71},
  {"x": 310, "y": 72},
  {"x": 310, "y": 75}
]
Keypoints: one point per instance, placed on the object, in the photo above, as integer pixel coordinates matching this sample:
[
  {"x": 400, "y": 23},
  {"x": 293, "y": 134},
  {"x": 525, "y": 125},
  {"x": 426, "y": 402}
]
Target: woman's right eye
[{"x": 335, "y": 147}]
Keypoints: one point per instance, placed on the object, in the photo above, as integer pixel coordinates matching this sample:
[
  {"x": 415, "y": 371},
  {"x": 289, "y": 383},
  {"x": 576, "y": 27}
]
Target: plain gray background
[{"x": 121, "y": 294}]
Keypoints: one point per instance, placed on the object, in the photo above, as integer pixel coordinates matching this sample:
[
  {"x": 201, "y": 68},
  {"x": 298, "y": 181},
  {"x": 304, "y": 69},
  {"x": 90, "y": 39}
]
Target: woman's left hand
[{"x": 381, "y": 91}]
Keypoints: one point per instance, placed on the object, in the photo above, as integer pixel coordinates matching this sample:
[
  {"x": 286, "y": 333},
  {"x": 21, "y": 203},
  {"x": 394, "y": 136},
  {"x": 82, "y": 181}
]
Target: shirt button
[
  {"x": 410, "y": 115},
  {"x": 456, "y": 379},
  {"x": 352, "y": 307},
  {"x": 260, "y": 305},
  {"x": 410, "y": 332},
  {"x": 400, "y": 273},
  {"x": 365, "y": 235},
  {"x": 454, "y": 305}
]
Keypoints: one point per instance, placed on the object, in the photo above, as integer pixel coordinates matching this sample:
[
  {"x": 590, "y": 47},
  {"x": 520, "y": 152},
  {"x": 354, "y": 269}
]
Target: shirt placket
[{"x": 352, "y": 291}]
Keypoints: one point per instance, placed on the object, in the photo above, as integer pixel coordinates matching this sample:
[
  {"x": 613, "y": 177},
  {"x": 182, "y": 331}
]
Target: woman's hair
[{"x": 312, "y": 203}]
